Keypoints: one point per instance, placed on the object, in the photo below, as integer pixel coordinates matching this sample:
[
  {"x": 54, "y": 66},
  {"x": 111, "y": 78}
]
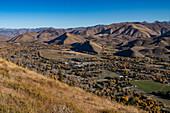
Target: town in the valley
[{"x": 119, "y": 78}]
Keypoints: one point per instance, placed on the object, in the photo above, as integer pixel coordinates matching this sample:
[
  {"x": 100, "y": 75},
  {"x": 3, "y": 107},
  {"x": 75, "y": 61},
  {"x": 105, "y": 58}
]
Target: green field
[
  {"x": 106, "y": 73},
  {"x": 150, "y": 86}
]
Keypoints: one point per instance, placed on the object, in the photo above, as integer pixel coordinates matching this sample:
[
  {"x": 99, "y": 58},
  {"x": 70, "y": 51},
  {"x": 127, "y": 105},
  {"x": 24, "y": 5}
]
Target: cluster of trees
[{"x": 135, "y": 68}]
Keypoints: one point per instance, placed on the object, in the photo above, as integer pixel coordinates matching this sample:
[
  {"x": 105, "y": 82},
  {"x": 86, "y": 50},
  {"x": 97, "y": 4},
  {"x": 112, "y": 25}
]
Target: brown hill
[
  {"x": 157, "y": 47},
  {"x": 87, "y": 46},
  {"x": 67, "y": 38},
  {"x": 39, "y": 37},
  {"x": 129, "y": 53},
  {"x": 4, "y": 38},
  {"x": 49, "y": 34},
  {"x": 27, "y": 37},
  {"x": 159, "y": 28},
  {"x": 26, "y": 91}
]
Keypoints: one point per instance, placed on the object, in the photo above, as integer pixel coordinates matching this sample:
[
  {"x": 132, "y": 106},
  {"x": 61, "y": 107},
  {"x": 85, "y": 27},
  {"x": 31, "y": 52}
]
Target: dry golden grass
[
  {"x": 22, "y": 90},
  {"x": 54, "y": 54}
]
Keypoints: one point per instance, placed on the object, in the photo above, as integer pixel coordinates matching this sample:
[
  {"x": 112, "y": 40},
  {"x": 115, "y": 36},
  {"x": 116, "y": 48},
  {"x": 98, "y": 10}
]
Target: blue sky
[{"x": 77, "y": 13}]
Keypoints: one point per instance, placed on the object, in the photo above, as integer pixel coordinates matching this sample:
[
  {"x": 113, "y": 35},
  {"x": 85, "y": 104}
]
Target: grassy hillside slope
[{"x": 22, "y": 90}]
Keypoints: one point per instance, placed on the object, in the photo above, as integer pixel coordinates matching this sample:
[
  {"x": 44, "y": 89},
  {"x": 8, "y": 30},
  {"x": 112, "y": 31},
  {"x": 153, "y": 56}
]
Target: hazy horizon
[{"x": 76, "y": 26}]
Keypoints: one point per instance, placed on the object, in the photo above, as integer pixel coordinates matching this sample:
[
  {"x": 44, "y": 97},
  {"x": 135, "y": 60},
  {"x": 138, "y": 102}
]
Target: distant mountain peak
[
  {"x": 156, "y": 21},
  {"x": 165, "y": 22},
  {"x": 145, "y": 22}
]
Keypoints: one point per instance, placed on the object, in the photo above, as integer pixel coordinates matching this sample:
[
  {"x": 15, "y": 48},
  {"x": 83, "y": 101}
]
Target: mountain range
[
  {"x": 128, "y": 30},
  {"x": 13, "y": 32},
  {"x": 138, "y": 39}
]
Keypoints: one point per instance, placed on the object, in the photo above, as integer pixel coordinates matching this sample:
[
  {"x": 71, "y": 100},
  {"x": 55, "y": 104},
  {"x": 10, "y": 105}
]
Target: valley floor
[{"x": 105, "y": 75}]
